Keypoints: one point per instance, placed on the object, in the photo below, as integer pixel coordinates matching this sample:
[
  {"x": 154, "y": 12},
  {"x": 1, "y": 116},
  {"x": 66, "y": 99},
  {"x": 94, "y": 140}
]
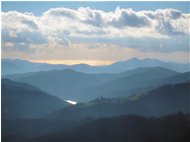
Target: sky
[{"x": 95, "y": 33}]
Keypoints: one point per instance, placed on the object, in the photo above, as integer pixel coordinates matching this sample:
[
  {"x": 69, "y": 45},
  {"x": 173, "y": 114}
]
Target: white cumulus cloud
[{"x": 162, "y": 30}]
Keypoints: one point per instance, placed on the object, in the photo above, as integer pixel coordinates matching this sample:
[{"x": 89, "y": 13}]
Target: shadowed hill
[
  {"x": 130, "y": 128},
  {"x": 137, "y": 78},
  {"x": 20, "y": 100},
  {"x": 141, "y": 80},
  {"x": 157, "y": 102}
]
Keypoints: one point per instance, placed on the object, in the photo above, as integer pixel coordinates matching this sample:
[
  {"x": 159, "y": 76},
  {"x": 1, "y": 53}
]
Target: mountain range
[
  {"x": 134, "y": 100},
  {"x": 10, "y": 66},
  {"x": 73, "y": 85}
]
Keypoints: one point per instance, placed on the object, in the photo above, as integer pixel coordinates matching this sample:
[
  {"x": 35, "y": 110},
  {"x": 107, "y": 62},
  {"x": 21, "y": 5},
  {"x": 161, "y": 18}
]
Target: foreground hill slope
[
  {"x": 128, "y": 128},
  {"x": 20, "y": 100}
]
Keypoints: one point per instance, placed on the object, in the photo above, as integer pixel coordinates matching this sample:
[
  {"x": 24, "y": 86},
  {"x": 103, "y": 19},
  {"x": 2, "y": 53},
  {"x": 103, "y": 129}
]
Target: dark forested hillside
[
  {"x": 20, "y": 100},
  {"x": 128, "y": 128}
]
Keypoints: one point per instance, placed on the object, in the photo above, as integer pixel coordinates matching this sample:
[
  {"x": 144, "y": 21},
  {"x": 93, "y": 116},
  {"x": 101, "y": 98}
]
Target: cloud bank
[{"x": 68, "y": 30}]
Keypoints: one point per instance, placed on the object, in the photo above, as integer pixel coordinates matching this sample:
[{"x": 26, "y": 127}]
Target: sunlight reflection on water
[{"x": 71, "y": 102}]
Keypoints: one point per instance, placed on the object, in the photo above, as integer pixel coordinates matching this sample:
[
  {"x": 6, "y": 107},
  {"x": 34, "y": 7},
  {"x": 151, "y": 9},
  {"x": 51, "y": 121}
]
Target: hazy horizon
[{"x": 88, "y": 62}]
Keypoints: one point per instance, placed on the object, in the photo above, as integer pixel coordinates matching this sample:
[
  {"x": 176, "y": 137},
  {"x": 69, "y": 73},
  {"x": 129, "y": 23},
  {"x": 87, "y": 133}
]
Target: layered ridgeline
[
  {"x": 163, "y": 100},
  {"x": 21, "y": 100},
  {"x": 21, "y": 66},
  {"x": 33, "y": 111},
  {"x": 72, "y": 85},
  {"x": 72, "y": 122},
  {"x": 67, "y": 84}
]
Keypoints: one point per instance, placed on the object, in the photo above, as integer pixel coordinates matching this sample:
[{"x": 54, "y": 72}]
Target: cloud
[
  {"x": 162, "y": 30},
  {"x": 164, "y": 13},
  {"x": 21, "y": 28},
  {"x": 63, "y": 41},
  {"x": 23, "y": 36},
  {"x": 92, "y": 17},
  {"x": 20, "y": 47},
  {"x": 150, "y": 44},
  {"x": 164, "y": 27},
  {"x": 161, "y": 21},
  {"x": 30, "y": 24},
  {"x": 129, "y": 18},
  {"x": 104, "y": 52},
  {"x": 63, "y": 12},
  {"x": 18, "y": 21},
  {"x": 169, "y": 21}
]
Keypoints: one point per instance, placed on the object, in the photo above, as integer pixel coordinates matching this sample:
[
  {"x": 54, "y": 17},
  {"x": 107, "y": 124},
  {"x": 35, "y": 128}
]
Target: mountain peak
[{"x": 134, "y": 60}]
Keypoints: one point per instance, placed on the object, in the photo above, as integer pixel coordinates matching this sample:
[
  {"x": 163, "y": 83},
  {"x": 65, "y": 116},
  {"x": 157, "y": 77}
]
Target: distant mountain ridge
[
  {"x": 66, "y": 84},
  {"x": 77, "y": 86},
  {"x": 21, "y": 66}
]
